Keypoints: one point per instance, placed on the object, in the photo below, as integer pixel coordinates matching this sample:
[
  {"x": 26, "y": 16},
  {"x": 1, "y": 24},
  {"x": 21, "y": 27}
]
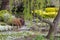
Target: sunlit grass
[{"x": 4, "y": 36}]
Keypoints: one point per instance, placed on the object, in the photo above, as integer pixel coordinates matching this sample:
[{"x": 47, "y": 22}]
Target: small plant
[{"x": 39, "y": 37}]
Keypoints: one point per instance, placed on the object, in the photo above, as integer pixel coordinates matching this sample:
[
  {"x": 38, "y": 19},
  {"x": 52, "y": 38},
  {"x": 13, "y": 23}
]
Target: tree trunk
[
  {"x": 53, "y": 25},
  {"x": 53, "y": 28},
  {"x": 5, "y": 5}
]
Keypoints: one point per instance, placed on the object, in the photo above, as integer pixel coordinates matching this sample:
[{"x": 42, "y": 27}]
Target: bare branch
[{"x": 43, "y": 20}]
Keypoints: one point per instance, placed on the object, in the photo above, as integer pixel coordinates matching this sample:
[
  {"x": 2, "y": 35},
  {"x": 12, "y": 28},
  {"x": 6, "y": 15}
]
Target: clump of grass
[
  {"x": 39, "y": 37},
  {"x": 4, "y": 36}
]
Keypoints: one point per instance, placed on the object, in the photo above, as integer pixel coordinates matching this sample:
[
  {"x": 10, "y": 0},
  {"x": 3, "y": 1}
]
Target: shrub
[
  {"x": 39, "y": 37},
  {"x": 45, "y": 14},
  {"x": 51, "y": 9}
]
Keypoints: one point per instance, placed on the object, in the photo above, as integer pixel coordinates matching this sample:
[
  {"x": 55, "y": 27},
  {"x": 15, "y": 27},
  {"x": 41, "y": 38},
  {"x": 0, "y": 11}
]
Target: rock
[
  {"x": 34, "y": 28},
  {"x": 24, "y": 28},
  {"x": 20, "y": 38},
  {"x": 6, "y": 27},
  {"x": 10, "y": 38}
]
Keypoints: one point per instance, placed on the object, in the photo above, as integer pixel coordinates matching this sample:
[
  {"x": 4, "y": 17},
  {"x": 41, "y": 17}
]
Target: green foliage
[
  {"x": 2, "y": 12},
  {"x": 30, "y": 5},
  {"x": 33, "y": 5},
  {"x": 5, "y": 16},
  {"x": 4, "y": 36},
  {"x": 27, "y": 11},
  {"x": 39, "y": 37},
  {"x": 51, "y": 9},
  {"x": 46, "y": 14},
  {"x": 11, "y": 5}
]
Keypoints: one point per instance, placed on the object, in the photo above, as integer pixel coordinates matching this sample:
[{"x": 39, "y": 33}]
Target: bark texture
[{"x": 4, "y": 4}]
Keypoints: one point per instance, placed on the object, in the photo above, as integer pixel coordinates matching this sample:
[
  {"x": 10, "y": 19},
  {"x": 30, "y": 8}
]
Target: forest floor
[{"x": 28, "y": 33}]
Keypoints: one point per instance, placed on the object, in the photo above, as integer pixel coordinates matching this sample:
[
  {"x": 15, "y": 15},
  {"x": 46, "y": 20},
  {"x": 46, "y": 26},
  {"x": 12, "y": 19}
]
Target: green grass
[
  {"x": 39, "y": 37},
  {"x": 4, "y": 36}
]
